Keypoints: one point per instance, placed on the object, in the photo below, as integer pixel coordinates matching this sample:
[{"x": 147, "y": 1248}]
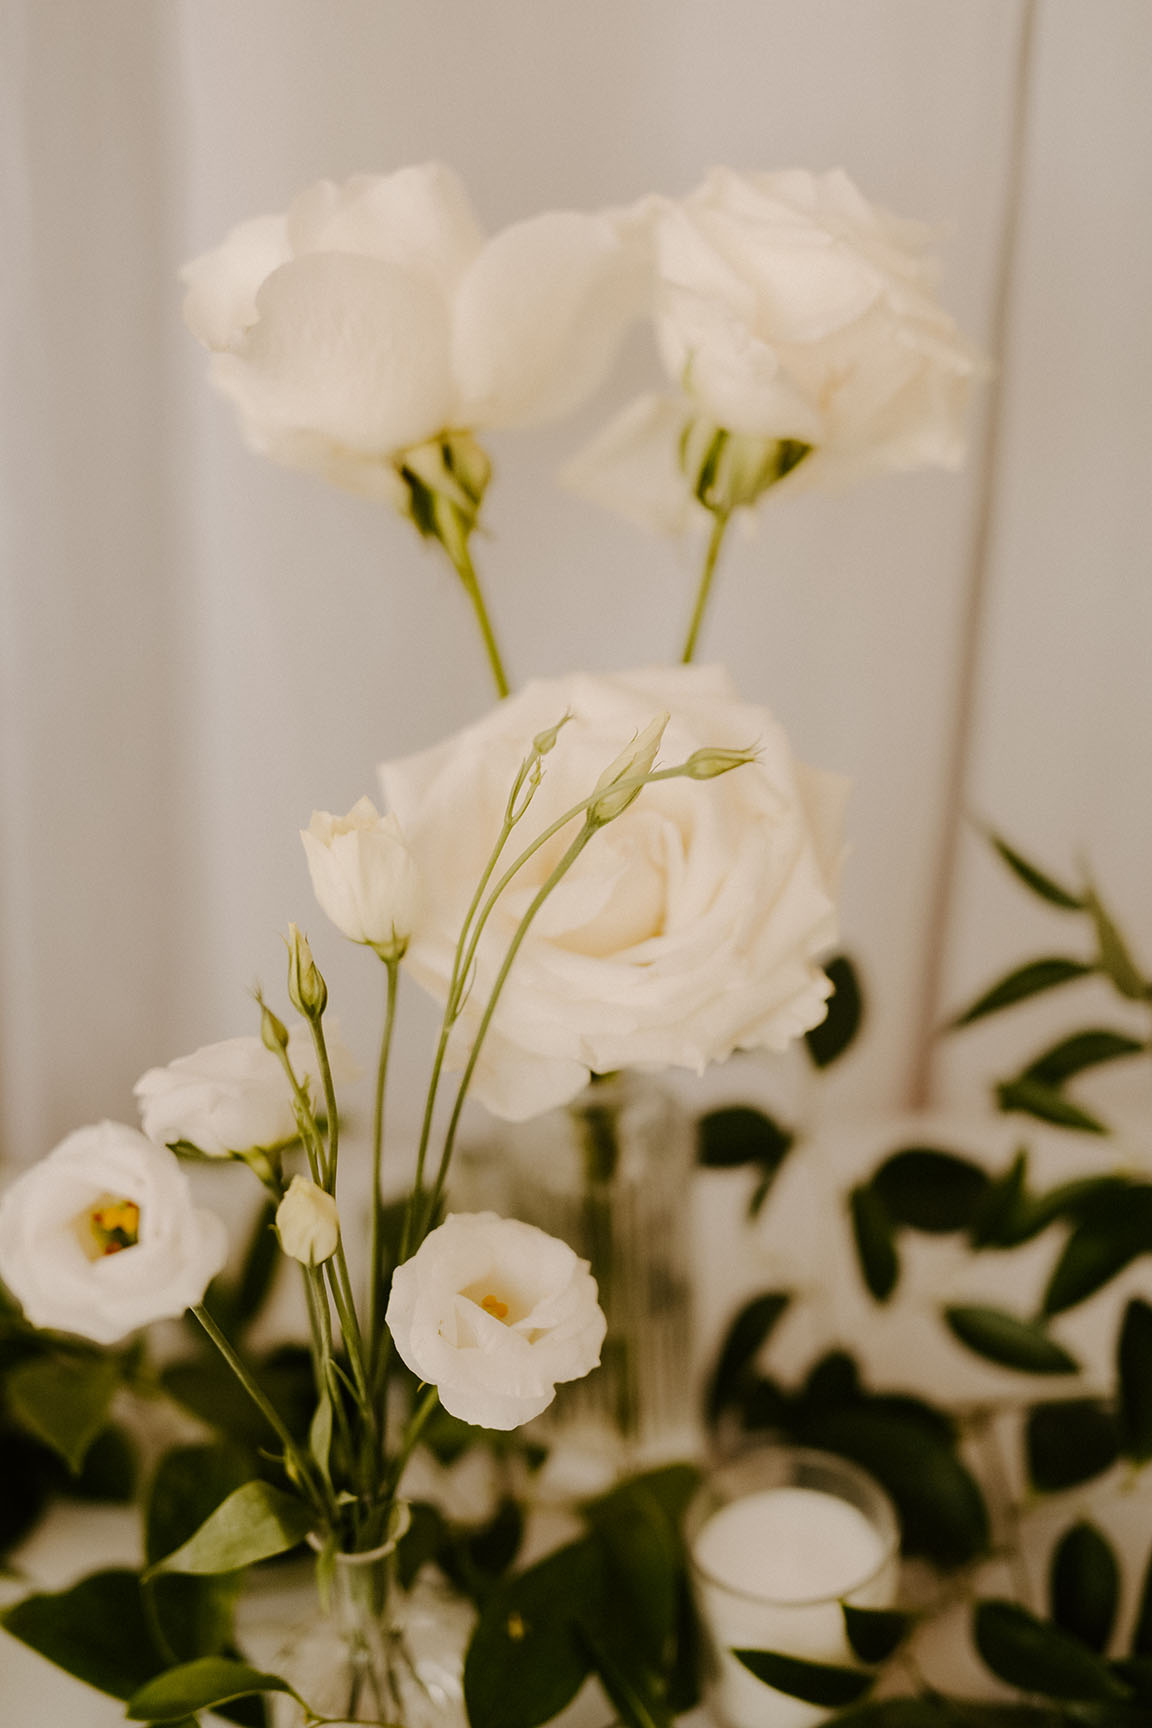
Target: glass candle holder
[{"x": 780, "y": 1540}]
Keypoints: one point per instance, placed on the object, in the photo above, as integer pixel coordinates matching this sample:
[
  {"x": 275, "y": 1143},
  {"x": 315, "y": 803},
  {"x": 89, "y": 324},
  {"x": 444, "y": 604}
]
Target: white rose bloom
[
  {"x": 788, "y": 308},
  {"x": 364, "y": 875},
  {"x": 101, "y": 1236},
  {"x": 494, "y": 1313},
  {"x": 233, "y": 1096},
  {"x": 375, "y": 315},
  {"x": 687, "y": 929},
  {"x": 308, "y": 1222}
]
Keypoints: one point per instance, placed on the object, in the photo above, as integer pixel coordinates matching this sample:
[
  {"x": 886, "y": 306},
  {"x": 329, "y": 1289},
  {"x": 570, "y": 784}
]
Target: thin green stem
[
  {"x": 376, "y": 1268},
  {"x": 461, "y": 559},
  {"x": 329, "y": 1103},
  {"x": 302, "y": 1468},
  {"x": 412, "y": 1434},
  {"x": 720, "y": 520}
]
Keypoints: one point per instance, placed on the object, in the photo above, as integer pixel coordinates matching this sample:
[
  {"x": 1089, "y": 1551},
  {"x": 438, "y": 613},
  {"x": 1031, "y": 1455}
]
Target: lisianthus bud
[
  {"x": 308, "y": 1223},
  {"x": 636, "y": 758},
  {"x": 706, "y": 764},
  {"x": 364, "y": 876},
  {"x": 273, "y": 1031},
  {"x": 546, "y": 740},
  {"x": 307, "y": 990}
]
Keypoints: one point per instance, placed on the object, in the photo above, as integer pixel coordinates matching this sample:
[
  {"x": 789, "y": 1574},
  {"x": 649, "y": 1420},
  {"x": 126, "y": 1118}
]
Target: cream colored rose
[
  {"x": 101, "y": 1236},
  {"x": 234, "y": 1096},
  {"x": 688, "y": 928},
  {"x": 307, "y": 1222},
  {"x": 787, "y": 308},
  {"x": 364, "y": 876},
  {"x": 374, "y": 316},
  {"x": 494, "y": 1313}
]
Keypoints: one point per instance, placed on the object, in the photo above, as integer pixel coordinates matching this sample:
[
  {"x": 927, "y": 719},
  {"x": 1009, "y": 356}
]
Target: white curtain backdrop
[{"x": 198, "y": 648}]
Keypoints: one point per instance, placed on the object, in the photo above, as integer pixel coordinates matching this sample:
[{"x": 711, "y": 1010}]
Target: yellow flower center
[
  {"x": 493, "y": 1305},
  {"x": 109, "y": 1226}
]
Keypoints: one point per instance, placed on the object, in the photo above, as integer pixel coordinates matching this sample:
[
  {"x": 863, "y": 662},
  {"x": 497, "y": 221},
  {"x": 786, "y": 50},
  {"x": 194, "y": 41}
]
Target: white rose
[
  {"x": 494, "y": 1313},
  {"x": 308, "y": 1222},
  {"x": 687, "y": 928},
  {"x": 373, "y": 316},
  {"x": 233, "y": 1096},
  {"x": 788, "y": 308},
  {"x": 101, "y": 1236},
  {"x": 364, "y": 875}
]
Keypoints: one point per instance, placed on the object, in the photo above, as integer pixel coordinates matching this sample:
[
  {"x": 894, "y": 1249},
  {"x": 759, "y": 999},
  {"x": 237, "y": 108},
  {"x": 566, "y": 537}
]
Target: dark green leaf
[
  {"x": 739, "y": 1135},
  {"x": 1084, "y": 1584},
  {"x": 1009, "y": 1341},
  {"x": 928, "y": 1189},
  {"x": 1136, "y": 1671},
  {"x": 1115, "y": 957},
  {"x": 1069, "y": 1442},
  {"x": 1082, "y": 1050},
  {"x": 208, "y": 1387},
  {"x": 632, "y": 1688},
  {"x": 813, "y": 1682},
  {"x": 425, "y": 1535},
  {"x": 97, "y": 1631},
  {"x": 1047, "y": 1104},
  {"x": 1035, "y": 879},
  {"x": 829, "y": 1040},
  {"x": 63, "y": 1401},
  {"x": 667, "y": 1488},
  {"x": 874, "y": 1633},
  {"x": 747, "y": 1333},
  {"x": 190, "y": 1482},
  {"x": 875, "y": 1239},
  {"x": 199, "y": 1685},
  {"x": 1038, "y": 1657},
  {"x": 941, "y": 1712},
  {"x": 527, "y": 1659},
  {"x": 111, "y": 1469},
  {"x": 1114, "y": 1230},
  {"x": 1018, "y": 985},
  {"x": 1005, "y": 1216},
  {"x": 832, "y": 1381},
  {"x": 1134, "y": 1355},
  {"x": 253, "y": 1523},
  {"x": 29, "y": 1473}
]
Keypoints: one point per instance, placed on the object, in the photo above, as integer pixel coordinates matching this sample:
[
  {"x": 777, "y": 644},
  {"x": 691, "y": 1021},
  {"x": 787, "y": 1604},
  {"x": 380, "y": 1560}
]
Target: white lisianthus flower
[
  {"x": 101, "y": 1236},
  {"x": 364, "y": 876},
  {"x": 374, "y": 316},
  {"x": 308, "y": 1222},
  {"x": 233, "y": 1097},
  {"x": 789, "y": 312},
  {"x": 494, "y": 1313},
  {"x": 688, "y": 927}
]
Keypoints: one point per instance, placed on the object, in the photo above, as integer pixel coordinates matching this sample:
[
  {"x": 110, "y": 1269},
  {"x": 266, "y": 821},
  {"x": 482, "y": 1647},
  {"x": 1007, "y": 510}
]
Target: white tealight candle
[{"x": 772, "y": 1569}]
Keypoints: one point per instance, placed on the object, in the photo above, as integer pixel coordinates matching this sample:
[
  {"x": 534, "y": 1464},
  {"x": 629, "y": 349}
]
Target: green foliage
[
  {"x": 64, "y": 1401},
  {"x": 928, "y": 1189},
  {"x": 812, "y": 1682},
  {"x": 1036, "y": 879},
  {"x": 1009, "y": 1341},
  {"x": 253, "y": 1523},
  {"x": 1114, "y": 1228},
  {"x": 1084, "y": 1585},
  {"x": 875, "y": 1633},
  {"x": 1040, "y": 1657},
  {"x": 747, "y": 1334},
  {"x": 1134, "y": 1362},
  {"x": 875, "y": 1238},
  {"x": 1034, "y": 978},
  {"x": 200, "y": 1685},
  {"x": 835, "y": 1034},
  {"x": 1069, "y": 1442},
  {"x": 98, "y": 1630},
  {"x": 738, "y": 1135}
]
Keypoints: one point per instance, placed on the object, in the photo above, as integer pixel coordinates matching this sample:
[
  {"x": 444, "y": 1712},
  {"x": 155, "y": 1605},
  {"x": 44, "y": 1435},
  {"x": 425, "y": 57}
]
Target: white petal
[
  {"x": 419, "y": 218},
  {"x": 632, "y": 466},
  {"x": 222, "y": 285}
]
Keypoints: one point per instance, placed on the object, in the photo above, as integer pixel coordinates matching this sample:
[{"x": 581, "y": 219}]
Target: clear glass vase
[
  {"x": 611, "y": 1174},
  {"x": 375, "y": 1652}
]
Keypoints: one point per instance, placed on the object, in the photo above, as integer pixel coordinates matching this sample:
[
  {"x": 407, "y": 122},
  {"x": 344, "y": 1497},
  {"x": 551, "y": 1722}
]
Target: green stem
[
  {"x": 412, "y": 1434},
  {"x": 329, "y": 1103},
  {"x": 461, "y": 559},
  {"x": 720, "y": 520},
  {"x": 301, "y": 1466},
  {"x": 377, "y": 1243}
]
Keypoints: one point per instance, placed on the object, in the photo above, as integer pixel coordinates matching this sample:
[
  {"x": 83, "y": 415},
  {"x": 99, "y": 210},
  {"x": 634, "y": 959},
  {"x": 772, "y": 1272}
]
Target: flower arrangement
[{"x": 603, "y": 872}]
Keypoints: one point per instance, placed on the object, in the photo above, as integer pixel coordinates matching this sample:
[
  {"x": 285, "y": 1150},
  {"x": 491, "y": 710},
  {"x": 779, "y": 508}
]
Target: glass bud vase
[
  {"x": 375, "y": 1652},
  {"x": 611, "y": 1174}
]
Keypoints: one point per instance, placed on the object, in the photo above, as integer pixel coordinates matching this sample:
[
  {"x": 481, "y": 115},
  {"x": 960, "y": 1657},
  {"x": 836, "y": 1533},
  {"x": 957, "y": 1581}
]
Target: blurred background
[{"x": 198, "y": 648}]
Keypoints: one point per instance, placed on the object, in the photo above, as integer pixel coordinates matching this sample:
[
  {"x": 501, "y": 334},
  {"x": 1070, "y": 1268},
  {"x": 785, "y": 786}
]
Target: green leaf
[
  {"x": 1134, "y": 1358},
  {"x": 97, "y": 1631},
  {"x": 1035, "y": 879},
  {"x": 1115, "y": 1230},
  {"x": 253, "y": 1523},
  {"x": 1047, "y": 1104},
  {"x": 874, "y": 1633},
  {"x": 1038, "y": 1657},
  {"x": 192, "y": 1614},
  {"x": 111, "y": 1469},
  {"x": 813, "y": 1682},
  {"x": 63, "y": 1401},
  {"x": 29, "y": 1474},
  {"x": 1115, "y": 957},
  {"x": 631, "y": 1688},
  {"x": 527, "y": 1659},
  {"x": 199, "y": 1685},
  {"x": 1009, "y": 1341},
  {"x": 739, "y": 1135},
  {"x": 837, "y": 1031},
  {"x": 1069, "y": 1442},
  {"x": 875, "y": 1239},
  {"x": 1029, "y": 980},
  {"x": 1082, "y": 1050},
  {"x": 1142, "y": 1630},
  {"x": 749, "y": 1330},
  {"x": 1084, "y": 1585},
  {"x": 927, "y": 1189}
]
